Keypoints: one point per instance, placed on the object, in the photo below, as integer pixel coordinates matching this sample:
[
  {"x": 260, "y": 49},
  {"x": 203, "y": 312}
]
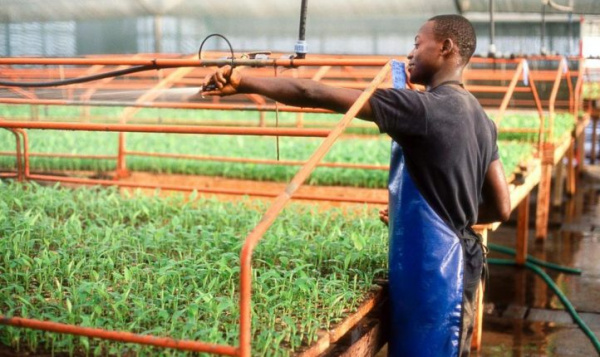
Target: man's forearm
[
  {"x": 303, "y": 93},
  {"x": 496, "y": 198},
  {"x": 294, "y": 92},
  {"x": 489, "y": 215},
  {"x": 291, "y": 91}
]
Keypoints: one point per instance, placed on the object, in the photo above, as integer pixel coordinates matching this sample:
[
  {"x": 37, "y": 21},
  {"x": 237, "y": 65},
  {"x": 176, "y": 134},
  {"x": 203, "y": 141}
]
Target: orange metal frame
[
  {"x": 325, "y": 73},
  {"x": 175, "y": 77},
  {"x": 244, "y": 349}
]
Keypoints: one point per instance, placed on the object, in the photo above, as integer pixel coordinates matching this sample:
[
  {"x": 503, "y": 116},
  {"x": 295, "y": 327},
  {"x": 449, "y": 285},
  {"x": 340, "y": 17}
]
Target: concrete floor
[{"x": 523, "y": 317}]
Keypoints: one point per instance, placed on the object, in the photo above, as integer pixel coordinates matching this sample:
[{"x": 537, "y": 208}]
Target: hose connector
[{"x": 301, "y": 49}]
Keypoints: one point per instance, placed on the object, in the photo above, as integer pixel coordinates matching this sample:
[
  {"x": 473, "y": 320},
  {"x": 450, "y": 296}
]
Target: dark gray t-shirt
[{"x": 448, "y": 143}]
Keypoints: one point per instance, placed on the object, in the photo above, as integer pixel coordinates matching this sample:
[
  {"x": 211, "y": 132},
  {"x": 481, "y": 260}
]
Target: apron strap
[{"x": 469, "y": 234}]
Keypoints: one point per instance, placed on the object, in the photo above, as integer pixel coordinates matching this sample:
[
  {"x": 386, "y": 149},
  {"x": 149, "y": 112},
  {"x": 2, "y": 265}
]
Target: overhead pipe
[
  {"x": 492, "y": 50},
  {"x": 301, "y": 48},
  {"x": 158, "y": 63},
  {"x": 543, "y": 50},
  {"x": 555, "y": 6}
]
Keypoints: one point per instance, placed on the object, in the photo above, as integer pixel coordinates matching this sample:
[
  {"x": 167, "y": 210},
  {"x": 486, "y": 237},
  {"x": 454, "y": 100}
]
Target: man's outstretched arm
[
  {"x": 290, "y": 91},
  {"x": 496, "y": 198}
]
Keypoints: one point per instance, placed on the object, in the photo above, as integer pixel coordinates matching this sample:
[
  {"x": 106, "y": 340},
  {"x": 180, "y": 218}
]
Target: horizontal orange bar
[
  {"x": 224, "y": 130},
  {"x": 256, "y": 161},
  {"x": 223, "y": 191},
  {"x": 494, "y": 89},
  {"x": 68, "y": 156},
  {"x": 164, "y": 105},
  {"x": 165, "y": 342},
  {"x": 161, "y": 62}
]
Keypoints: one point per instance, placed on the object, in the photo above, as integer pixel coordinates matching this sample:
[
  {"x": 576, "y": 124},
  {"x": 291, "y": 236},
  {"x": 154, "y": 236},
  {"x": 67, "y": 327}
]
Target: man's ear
[{"x": 447, "y": 47}]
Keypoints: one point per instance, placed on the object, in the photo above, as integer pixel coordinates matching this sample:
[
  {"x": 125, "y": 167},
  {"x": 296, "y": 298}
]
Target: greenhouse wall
[{"x": 365, "y": 35}]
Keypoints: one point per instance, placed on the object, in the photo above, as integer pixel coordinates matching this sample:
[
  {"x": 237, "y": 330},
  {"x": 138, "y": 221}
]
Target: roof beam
[{"x": 515, "y": 17}]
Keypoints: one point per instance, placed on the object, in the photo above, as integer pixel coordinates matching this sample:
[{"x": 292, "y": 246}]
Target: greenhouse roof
[{"x": 62, "y": 10}]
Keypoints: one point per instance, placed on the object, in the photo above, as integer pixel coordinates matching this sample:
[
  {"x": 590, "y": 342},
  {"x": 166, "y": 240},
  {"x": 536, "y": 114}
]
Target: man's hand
[
  {"x": 225, "y": 81},
  {"x": 384, "y": 216}
]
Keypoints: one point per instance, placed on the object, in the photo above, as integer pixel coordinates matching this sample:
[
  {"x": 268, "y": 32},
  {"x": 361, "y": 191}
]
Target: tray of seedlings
[{"x": 170, "y": 267}]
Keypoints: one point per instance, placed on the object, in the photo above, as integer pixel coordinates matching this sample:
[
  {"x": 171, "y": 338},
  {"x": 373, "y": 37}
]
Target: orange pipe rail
[
  {"x": 217, "y": 191},
  {"x": 19, "y": 156},
  {"x": 25, "y": 151},
  {"x": 164, "y": 105},
  {"x": 215, "y": 130},
  {"x": 560, "y": 74},
  {"x": 183, "y": 345},
  {"x": 579, "y": 87},
  {"x": 511, "y": 88},
  {"x": 63, "y": 155},
  {"x": 271, "y": 214},
  {"x": 255, "y": 161},
  {"x": 281, "y": 199},
  {"x": 166, "y": 63}
]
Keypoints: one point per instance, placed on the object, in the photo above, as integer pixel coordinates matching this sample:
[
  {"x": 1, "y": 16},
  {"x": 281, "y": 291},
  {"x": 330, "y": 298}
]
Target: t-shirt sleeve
[
  {"x": 399, "y": 111},
  {"x": 495, "y": 154}
]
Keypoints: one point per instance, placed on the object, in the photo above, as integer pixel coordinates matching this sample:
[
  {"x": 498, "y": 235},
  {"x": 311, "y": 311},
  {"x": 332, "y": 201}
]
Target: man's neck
[{"x": 453, "y": 75}]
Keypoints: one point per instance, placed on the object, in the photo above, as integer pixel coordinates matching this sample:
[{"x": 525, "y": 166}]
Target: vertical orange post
[
  {"x": 25, "y": 151},
  {"x": 559, "y": 180},
  {"x": 579, "y": 88},
  {"x": 543, "y": 197},
  {"x": 478, "y": 323},
  {"x": 567, "y": 74},
  {"x": 551, "y": 105},
  {"x": 580, "y": 152},
  {"x": 571, "y": 171},
  {"x": 19, "y": 157},
  {"x": 522, "y": 230},
  {"x": 538, "y": 104}
]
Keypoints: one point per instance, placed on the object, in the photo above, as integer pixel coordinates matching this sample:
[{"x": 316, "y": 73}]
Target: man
[{"x": 445, "y": 176}]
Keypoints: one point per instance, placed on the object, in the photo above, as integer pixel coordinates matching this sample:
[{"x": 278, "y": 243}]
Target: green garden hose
[
  {"x": 568, "y": 306},
  {"x": 510, "y": 251}
]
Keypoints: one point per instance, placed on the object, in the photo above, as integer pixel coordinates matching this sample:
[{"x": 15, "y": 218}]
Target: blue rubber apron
[{"x": 425, "y": 269}]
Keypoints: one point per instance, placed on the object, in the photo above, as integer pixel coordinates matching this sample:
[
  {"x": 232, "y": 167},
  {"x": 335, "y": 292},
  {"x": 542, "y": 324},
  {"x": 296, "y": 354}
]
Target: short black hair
[{"x": 460, "y": 30}]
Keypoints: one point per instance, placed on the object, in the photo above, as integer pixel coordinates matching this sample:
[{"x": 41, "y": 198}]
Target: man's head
[{"x": 443, "y": 43}]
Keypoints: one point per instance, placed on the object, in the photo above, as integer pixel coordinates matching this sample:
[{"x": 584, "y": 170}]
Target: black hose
[
  {"x": 224, "y": 38},
  {"x": 117, "y": 73},
  {"x": 94, "y": 77},
  {"x": 212, "y": 86}
]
